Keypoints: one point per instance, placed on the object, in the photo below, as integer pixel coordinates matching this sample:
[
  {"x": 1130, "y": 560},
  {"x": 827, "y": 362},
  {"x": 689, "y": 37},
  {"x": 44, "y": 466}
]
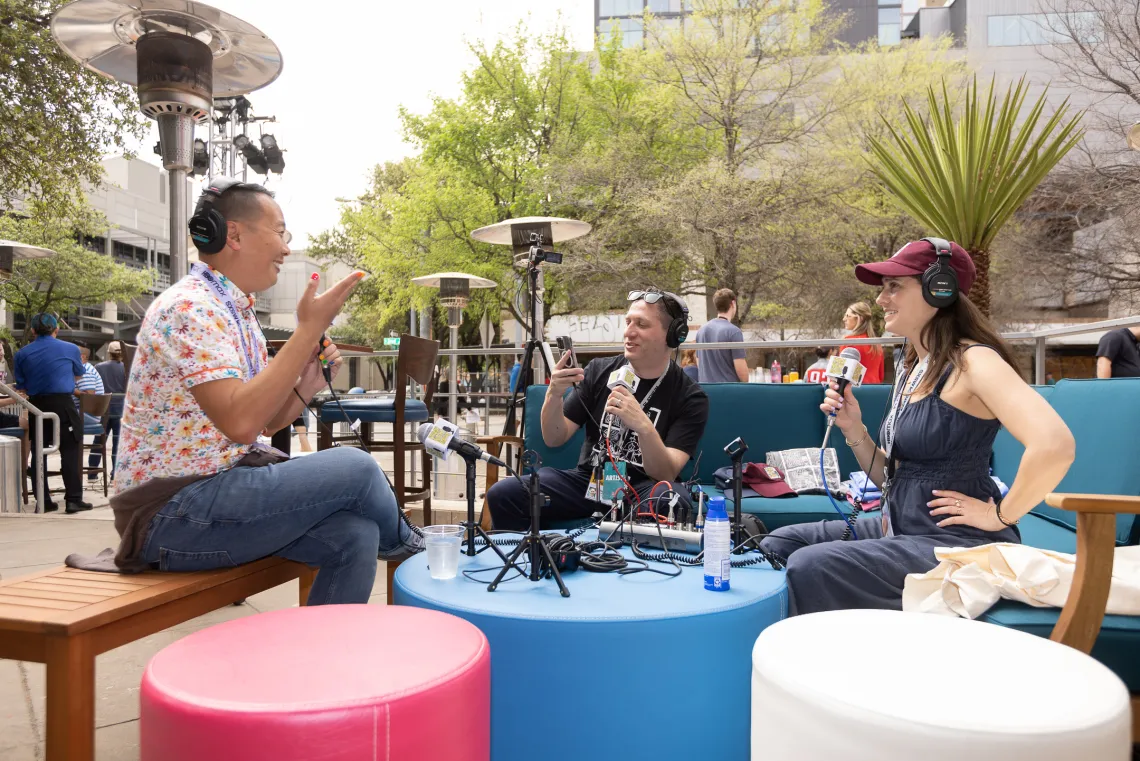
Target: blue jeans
[
  {"x": 113, "y": 425},
  {"x": 332, "y": 509}
]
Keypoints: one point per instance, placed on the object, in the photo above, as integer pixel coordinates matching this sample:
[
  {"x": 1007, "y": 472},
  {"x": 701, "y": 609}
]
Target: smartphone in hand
[{"x": 566, "y": 345}]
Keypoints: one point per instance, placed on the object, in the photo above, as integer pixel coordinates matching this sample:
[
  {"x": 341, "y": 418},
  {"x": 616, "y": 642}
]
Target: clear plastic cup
[{"x": 443, "y": 543}]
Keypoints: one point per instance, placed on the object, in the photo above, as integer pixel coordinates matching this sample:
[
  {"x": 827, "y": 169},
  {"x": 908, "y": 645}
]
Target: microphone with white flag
[
  {"x": 440, "y": 439},
  {"x": 845, "y": 370},
  {"x": 623, "y": 376}
]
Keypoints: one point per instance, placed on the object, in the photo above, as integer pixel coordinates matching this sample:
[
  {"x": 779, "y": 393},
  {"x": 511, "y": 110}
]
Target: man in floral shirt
[{"x": 195, "y": 489}]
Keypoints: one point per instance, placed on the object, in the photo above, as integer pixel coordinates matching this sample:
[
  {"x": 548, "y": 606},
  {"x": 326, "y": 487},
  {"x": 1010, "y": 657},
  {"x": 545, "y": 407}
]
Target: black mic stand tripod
[
  {"x": 534, "y": 543},
  {"x": 470, "y": 525},
  {"x": 735, "y": 451}
]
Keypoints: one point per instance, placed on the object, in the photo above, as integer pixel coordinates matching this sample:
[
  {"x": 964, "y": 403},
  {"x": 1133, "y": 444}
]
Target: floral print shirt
[{"x": 186, "y": 338}]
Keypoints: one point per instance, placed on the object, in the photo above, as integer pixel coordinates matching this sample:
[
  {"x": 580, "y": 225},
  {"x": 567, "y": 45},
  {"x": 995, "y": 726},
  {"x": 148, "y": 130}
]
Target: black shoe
[
  {"x": 77, "y": 507},
  {"x": 51, "y": 507}
]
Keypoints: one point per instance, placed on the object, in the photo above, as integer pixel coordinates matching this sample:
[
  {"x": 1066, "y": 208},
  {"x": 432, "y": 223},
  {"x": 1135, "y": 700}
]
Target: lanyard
[
  {"x": 207, "y": 276},
  {"x": 897, "y": 406},
  {"x": 900, "y": 402}
]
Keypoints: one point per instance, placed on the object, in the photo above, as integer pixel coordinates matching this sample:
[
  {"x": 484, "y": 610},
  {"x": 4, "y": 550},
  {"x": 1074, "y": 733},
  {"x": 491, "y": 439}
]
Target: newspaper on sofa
[{"x": 801, "y": 470}]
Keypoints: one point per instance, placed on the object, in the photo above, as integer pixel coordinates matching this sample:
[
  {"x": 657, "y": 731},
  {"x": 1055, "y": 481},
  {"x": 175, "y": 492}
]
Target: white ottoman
[{"x": 889, "y": 686}]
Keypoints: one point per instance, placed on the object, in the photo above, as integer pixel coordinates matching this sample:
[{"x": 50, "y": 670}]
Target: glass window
[
  {"x": 620, "y": 8},
  {"x": 890, "y": 34},
  {"x": 665, "y": 6},
  {"x": 888, "y": 16},
  {"x": 631, "y": 31},
  {"x": 1040, "y": 29}
]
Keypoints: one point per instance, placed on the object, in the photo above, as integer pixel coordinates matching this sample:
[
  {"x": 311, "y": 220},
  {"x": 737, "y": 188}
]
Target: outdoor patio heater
[
  {"x": 454, "y": 293},
  {"x": 180, "y": 55}
]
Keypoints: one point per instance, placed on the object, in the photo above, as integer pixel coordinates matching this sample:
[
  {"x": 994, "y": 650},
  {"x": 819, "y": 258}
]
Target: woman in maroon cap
[{"x": 958, "y": 385}]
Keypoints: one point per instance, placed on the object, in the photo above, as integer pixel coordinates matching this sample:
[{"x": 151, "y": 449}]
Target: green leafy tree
[
  {"x": 74, "y": 277},
  {"x": 963, "y": 178},
  {"x": 57, "y": 119}
]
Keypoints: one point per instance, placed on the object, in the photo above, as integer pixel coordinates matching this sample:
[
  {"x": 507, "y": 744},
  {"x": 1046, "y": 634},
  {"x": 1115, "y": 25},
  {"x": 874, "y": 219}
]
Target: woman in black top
[{"x": 958, "y": 385}]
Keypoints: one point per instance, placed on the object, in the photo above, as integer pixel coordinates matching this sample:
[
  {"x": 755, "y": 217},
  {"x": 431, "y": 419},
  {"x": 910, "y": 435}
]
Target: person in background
[
  {"x": 114, "y": 375},
  {"x": 515, "y": 374},
  {"x": 91, "y": 382},
  {"x": 689, "y": 363},
  {"x": 1118, "y": 354},
  {"x": 817, "y": 372},
  {"x": 18, "y": 417},
  {"x": 47, "y": 370},
  {"x": 857, "y": 323},
  {"x": 722, "y": 365}
]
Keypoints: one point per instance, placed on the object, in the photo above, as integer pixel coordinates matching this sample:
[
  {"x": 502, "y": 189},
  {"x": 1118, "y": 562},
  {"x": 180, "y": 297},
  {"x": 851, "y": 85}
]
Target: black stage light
[
  {"x": 201, "y": 158},
  {"x": 273, "y": 154},
  {"x": 254, "y": 158}
]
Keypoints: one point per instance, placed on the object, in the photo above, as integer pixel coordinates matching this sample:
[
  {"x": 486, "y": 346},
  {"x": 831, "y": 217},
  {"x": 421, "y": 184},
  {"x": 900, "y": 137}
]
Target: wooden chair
[
  {"x": 1080, "y": 621},
  {"x": 98, "y": 406},
  {"x": 416, "y": 361}
]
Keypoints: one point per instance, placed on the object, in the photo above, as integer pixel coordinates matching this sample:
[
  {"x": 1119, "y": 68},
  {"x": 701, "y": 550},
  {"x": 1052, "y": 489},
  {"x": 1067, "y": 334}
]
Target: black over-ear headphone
[
  {"x": 939, "y": 282},
  {"x": 208, "y": 226},
  {"x": 678, "y": 329}
]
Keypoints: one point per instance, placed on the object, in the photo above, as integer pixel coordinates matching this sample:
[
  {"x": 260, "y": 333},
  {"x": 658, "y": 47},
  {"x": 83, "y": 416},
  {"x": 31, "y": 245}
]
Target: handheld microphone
[
  {"x": 844, "y": 369},
  {"x": 440, "y": 439},
  {"x": 623, "y": 376},
  {"x": 326, "y": 369}
]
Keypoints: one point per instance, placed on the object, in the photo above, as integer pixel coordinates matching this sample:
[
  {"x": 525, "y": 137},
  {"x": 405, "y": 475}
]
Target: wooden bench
[{"x": 64, "y": 617}]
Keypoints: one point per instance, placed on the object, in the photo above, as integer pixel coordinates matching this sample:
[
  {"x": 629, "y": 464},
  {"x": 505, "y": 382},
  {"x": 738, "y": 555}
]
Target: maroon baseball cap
[
  {"x": 913, "y": 259},
  {"x": 766, "y": 480}
]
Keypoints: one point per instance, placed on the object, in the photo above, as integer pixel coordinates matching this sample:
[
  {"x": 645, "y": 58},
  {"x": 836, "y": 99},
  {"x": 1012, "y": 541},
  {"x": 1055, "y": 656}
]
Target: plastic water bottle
[{"x": 718, "y": 547}]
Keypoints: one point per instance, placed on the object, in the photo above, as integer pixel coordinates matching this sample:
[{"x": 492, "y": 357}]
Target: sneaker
[{"x": 413, "y": 544}]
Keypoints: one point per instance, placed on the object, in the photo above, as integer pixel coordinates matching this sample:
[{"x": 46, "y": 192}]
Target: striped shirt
[{"x": 90, "y": 381}]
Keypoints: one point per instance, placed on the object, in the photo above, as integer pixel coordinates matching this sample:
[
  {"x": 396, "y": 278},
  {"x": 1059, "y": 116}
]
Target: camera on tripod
[{"x": 538, "y": 255}]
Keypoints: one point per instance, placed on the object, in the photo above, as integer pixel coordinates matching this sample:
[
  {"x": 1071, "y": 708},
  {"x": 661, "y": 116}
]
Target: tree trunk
[{"x": 980, "y": 291}]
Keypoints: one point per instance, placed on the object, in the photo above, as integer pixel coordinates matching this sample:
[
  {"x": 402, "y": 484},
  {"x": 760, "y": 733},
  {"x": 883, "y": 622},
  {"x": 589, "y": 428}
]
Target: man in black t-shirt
[
  {"x": 1118, "y": 354},
  {"x": 651, "y": 432}
]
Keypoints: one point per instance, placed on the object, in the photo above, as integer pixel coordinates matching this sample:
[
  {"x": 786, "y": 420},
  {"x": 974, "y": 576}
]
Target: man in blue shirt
[{"x": 46, "y": 369}]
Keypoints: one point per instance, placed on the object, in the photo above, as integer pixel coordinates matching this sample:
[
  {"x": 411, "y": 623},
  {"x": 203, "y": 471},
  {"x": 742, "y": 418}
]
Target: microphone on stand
[{"x": 440, "y": 440}]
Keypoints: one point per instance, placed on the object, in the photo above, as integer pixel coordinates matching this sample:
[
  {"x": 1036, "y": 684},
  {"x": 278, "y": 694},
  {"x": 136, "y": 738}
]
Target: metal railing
[
  {"x": 1039, "y": 338},
  {"x": 36, "y": 417}
]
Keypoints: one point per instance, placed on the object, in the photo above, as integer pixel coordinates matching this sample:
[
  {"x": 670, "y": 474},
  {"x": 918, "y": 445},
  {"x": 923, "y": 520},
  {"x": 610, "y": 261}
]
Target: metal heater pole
[
  {"x": 176, "y": 137},
  {"x": 452, "y": 377}
]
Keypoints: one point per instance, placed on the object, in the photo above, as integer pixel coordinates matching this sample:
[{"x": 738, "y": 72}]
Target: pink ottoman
[{"x": 333, "y": 682}]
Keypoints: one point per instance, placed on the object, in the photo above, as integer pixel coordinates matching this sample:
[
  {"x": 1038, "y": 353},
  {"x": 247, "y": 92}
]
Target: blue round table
[{"x": 636, "y": 666}]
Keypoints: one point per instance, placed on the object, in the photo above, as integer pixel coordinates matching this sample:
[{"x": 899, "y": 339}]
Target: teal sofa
[{"x": 1103, "y": 415}]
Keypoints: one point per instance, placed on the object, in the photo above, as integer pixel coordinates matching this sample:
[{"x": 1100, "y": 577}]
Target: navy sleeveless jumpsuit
[{"x": 937, "y": 446}]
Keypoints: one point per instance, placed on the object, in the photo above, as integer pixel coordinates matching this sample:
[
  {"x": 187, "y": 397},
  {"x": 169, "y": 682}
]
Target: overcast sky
[{"x": 349, "y": 66}]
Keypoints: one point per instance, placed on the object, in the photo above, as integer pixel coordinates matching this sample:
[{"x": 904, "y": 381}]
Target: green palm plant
[{"x": 963, "y": 179}]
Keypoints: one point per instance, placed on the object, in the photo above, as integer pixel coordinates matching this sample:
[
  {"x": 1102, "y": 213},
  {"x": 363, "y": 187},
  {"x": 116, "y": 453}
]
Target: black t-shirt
[
  {"x": 678, "y": 408},
  {"x": 1122, "y": 349}
]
